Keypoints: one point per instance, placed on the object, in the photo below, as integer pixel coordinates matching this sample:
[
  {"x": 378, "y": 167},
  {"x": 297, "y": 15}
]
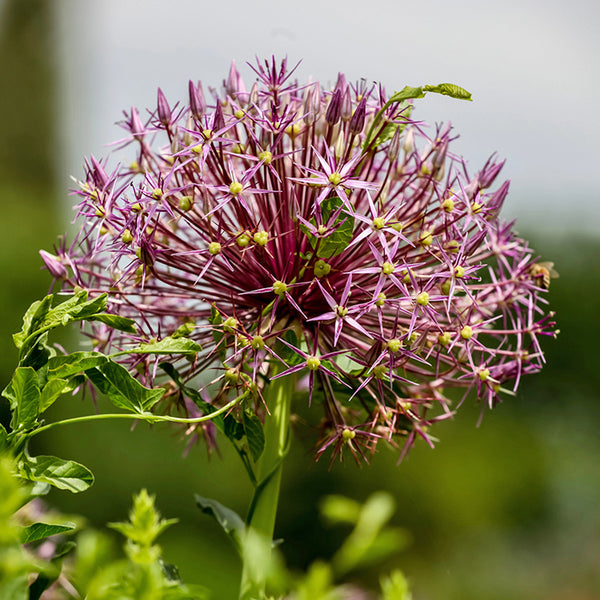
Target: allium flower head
[{"x": 295, "y": 229}]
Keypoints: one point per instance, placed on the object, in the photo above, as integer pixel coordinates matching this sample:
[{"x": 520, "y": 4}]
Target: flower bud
[
  {"x": 357, "y": 122},
  {"x": 408, "y": 144},
  {"x": 163, "y": 109},
  {"x": 197, "y": 101},
  {"x": 394, "y": 147},
  {"x": 334, "y": 110},
  {"x": 346, "y": 106},
  {"x": 253, "y": 96},
  {"x": 54, "y": 265},
  {"x": 98, "y": 174},
  {"x": 486, "y": 176},
  {"x": 135, "y": 124}
]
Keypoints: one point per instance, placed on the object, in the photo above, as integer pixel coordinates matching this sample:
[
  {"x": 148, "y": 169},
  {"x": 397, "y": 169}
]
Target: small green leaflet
[
  {"x": 60, "y": 473},
  {"x": 40, "y": 531}
]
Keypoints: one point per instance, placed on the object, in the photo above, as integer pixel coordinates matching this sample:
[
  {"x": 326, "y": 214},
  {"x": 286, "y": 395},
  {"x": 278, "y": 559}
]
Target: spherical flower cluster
[{"x": 292, "y": 229}]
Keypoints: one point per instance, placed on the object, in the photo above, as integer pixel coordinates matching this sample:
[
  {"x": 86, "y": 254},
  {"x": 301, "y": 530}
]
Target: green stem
[
  {"x": 260, "y": 522},
  {"x": 150, "y": 417}
]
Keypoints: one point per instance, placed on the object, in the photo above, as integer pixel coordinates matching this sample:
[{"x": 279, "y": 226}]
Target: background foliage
[{"x": 505, "y": 510}]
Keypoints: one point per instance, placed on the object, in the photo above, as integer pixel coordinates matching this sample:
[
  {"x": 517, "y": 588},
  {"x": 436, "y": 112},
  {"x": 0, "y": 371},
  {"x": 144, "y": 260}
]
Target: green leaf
[
  {"x": 71, "y": 364},
  {"x": 291, "y": 357},
  {"x": 395, "y": 587},
  {"x": 169, "y": 345},
  {"x": 231, "y": 523},
  {"x": 407, "y": 93},
  {"x": 122, "y": 389},
  {"x": 345, "y": 363},
  {"x": 3, "y": 439},
  {"x": 53, "y": 390},
  {"x": 60, "y": 473},
  {"x": 41, "y": 318},
  {"x": 336, "y": 242},
  {"x": 40, "y": 531},
  {"x": 36, "y": 353},
  {"x": 115, "y": 322},
  {"x": 34, "y": 315},
  {"x": 15, "y": 588},
  {"x": 23, "y": 394},
  {"x": 76, "y": 308},
  {"x": 340, "y": 509},
  {"x": 254, "y": 433},
  {"x": 449, "y": 89},
  {"x": 216, "y": 320}
]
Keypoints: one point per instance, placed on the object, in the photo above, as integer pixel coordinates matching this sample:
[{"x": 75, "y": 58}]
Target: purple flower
[{"x": 319, "y": 232}]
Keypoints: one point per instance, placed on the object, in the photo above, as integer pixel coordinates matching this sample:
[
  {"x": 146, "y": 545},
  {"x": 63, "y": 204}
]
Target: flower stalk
[{"x": 260, "y": 523}]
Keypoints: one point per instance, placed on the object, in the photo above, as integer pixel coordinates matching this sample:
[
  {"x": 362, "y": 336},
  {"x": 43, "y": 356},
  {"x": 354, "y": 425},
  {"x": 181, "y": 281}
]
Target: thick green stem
[{"x": 260, "y": 523}]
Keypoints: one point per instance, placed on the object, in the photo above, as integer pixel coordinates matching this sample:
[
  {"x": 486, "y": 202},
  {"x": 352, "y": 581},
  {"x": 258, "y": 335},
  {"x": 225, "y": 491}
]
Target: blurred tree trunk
[
  {"x": 28, "y": 149},
  {"x": 28, "y": 99}
]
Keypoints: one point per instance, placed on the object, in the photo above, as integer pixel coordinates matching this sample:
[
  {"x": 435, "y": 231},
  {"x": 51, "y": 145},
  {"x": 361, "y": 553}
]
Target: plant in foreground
[{"x": 290, "y": 237}]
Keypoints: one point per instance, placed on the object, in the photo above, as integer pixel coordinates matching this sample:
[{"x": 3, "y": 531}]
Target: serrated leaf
[
  {"x": 23, "y": 394},
  {"x": 122, "y": 389},
  {"x": 254, "y": 434},
  {"x": 59, "y": 473},
  {"x": 449, "y": 89},
  {"x": 231, "y": 523},
  {"x": 40, "y": 531},
  {"x": 71, "y": 364},
  {"x": 169, "y": 345},
  {"x": 53, "y": 390}
]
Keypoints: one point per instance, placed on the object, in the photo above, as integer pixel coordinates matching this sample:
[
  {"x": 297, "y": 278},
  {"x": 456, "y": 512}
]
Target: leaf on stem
[
  {"x": 254, "y": 434},
  {"x": 71, "y": 364},
  {"x": 122, "y": 389},
  {"x": 40, "y": 531},
  {"x": 169, "y": 345},
  {"x": 23, "y": 394},
  {"x": 231, "y": 523},
  {"x": 58, "y": 472}
]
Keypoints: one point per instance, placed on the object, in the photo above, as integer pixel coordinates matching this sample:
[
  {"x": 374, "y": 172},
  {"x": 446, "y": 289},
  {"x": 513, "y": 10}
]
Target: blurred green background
[{"x": 506, "y": 510}]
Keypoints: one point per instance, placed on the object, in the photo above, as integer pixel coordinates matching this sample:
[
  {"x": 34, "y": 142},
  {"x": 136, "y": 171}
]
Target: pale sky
[{"x": 532, "y": 66}]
